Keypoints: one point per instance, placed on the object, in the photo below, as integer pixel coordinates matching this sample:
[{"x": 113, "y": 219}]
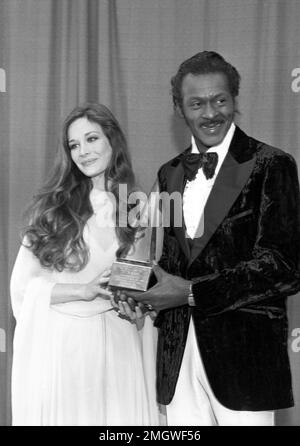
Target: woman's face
[{"x": 89, "y": 147}]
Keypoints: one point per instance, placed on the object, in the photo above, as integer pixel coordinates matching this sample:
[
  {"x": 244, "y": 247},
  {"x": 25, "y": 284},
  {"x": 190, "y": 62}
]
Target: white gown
[{"x": 78, "y": 363}]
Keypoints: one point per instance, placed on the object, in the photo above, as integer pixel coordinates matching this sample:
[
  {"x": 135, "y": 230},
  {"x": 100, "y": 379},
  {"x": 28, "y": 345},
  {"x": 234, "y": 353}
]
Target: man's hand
[{"x": 169, "y": 291}]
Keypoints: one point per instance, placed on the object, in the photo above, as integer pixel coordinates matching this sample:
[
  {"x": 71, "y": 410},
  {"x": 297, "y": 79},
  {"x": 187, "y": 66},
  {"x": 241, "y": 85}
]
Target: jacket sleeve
[{"x": 273, "y": 269}]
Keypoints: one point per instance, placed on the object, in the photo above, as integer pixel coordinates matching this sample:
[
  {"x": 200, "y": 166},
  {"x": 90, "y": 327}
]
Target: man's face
[{"x": 207, "y": 107}]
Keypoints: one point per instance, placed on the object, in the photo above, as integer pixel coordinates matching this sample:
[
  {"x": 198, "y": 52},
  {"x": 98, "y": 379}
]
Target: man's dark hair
[{"x": 205, "y": 62}]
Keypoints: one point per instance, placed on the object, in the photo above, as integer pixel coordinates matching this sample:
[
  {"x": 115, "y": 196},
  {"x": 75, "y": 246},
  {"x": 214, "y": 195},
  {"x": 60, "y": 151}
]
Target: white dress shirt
[{"x": 197, "y": 191}]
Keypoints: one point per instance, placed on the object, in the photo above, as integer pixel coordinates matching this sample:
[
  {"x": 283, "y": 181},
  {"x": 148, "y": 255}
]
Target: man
[{"x": 225, "y": 273}]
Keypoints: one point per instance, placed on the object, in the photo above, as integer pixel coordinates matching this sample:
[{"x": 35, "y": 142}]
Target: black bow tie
[{"x": 193, "y": 161}]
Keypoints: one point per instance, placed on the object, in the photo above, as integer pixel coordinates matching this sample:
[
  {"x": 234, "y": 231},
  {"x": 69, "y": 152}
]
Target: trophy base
[{"x": 130, "y": 275}]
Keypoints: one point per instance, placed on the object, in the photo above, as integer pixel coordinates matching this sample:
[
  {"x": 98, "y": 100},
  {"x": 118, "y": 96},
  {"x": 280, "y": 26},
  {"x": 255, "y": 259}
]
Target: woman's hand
[
  {"x": 131, "y": 310},
  {"x": 96, "y": 288},
  {"x": 135, "y": 315},
  {"x": 71, "y": 292},
  {"x": 128, "y": 309}
]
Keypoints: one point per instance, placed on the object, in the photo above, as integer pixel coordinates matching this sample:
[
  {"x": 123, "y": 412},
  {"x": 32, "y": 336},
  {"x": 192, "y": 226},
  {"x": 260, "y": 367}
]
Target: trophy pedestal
[{"x": 131, "y": 275}]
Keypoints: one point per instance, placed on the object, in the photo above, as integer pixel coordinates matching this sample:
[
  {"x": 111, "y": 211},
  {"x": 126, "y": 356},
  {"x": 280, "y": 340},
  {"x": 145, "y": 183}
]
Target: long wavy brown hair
[{"x": 59, "y": 212}]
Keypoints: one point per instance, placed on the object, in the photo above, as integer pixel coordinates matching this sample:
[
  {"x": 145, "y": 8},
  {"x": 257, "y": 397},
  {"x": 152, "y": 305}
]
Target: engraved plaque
[{"x": 130, "y": 275}]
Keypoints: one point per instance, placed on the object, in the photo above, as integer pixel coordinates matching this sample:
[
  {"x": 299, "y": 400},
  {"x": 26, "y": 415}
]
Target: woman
[{"x": 75, "y": 361}]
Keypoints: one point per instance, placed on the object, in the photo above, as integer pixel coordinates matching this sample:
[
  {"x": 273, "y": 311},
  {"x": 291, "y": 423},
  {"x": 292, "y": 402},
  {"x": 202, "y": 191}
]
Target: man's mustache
[{"x": 214, "y": 122}]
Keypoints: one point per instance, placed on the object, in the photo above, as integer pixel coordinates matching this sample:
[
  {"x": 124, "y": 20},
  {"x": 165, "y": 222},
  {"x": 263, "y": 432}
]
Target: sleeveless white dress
[{"x": 78, "y": 363}]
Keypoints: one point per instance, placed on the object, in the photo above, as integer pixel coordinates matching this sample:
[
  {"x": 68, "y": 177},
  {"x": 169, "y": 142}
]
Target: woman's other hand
[{"x": 97, "y": 287}]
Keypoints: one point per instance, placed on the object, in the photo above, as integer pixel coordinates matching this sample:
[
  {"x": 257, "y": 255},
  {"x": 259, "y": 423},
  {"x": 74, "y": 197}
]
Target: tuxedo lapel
[
  {"x": 176, "y": 182},
  {"x": 231, "y": 179}
]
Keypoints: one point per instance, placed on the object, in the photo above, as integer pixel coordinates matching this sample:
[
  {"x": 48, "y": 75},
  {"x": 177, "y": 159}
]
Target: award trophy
[{"x": 133, "y": 272}]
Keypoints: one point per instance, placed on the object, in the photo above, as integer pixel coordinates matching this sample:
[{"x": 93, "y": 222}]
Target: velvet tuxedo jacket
[{"x": 243, "y": 267}]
